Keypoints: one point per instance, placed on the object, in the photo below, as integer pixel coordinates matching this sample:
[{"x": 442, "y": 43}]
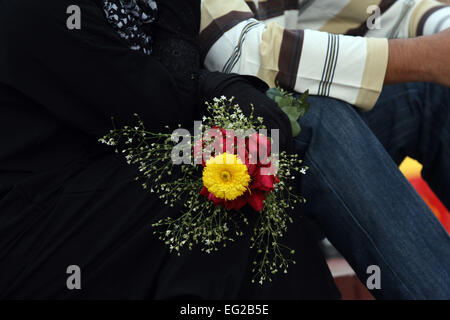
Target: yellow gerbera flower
[{"x": 225, "y": 176}]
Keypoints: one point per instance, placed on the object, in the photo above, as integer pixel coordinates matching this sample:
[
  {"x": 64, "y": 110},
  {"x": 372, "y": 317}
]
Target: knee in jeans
[{"x": 335, "y": 115}]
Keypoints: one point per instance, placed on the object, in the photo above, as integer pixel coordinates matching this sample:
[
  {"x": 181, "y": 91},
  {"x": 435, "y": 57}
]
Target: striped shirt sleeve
[
  {"x": 348, "y": 68},
  {"x": 428, "y": 17}
]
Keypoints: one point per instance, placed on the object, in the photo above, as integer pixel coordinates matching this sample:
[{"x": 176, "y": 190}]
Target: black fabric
[
  {"x": 67, "y": 200},
  {"x": 176, "y": 44}
]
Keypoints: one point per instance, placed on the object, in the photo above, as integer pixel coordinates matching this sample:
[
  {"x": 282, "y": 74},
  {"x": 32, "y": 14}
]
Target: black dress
[{"x": 67, "y": 200}]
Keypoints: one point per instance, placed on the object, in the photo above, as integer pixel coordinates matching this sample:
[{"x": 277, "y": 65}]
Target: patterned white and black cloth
[{"x": 131, "y": 18}]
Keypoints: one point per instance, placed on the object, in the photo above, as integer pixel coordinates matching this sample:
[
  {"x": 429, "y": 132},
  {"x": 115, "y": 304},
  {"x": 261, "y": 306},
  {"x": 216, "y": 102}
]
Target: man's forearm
[
  {"x": 406, "y": 61},
  {"x": 420, "y": 59}
]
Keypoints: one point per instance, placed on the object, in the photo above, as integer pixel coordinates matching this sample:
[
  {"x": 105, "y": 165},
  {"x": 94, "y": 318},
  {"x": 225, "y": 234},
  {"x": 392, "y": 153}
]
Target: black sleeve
[
  {"x": 83, "y": 77},
  {"x": 248, "y": 90}
]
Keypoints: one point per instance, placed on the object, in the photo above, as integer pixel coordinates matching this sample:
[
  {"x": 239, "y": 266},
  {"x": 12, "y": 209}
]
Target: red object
[
  {"x": 260, "y": 184},
  {"x": 432, "y": 201}
]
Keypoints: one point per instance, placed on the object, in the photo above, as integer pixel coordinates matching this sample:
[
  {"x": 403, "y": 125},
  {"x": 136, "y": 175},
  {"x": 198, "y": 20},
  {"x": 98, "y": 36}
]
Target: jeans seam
[{"x": 313, "y": 163}]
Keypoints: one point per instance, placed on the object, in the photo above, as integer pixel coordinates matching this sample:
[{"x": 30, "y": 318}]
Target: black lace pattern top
[{"x": 131, "y": 18}]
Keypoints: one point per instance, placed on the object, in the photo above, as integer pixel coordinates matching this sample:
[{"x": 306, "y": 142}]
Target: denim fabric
[
  {"x": 362, "y": 202},
  {"x": 414, "y": 120}
]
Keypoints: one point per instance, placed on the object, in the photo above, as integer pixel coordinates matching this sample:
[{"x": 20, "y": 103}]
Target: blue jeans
[{"x": 362, "y": 202}]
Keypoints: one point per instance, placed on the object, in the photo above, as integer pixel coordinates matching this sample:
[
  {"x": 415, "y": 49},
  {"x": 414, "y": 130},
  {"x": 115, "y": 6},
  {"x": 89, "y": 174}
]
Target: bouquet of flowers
[{"x": 229, "y": 162}]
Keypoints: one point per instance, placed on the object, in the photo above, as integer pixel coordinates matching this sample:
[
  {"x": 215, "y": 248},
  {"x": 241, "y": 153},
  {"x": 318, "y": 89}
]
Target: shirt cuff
[{"x": 348, "y": 68}]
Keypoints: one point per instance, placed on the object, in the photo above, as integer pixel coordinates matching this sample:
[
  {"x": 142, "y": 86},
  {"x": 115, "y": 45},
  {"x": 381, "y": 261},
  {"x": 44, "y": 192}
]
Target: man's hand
[{"x": 420, "y": 59}]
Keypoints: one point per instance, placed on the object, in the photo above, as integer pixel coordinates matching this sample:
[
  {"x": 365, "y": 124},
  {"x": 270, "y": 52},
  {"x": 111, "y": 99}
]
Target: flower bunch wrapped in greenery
[{"x": 228, "y": 164}]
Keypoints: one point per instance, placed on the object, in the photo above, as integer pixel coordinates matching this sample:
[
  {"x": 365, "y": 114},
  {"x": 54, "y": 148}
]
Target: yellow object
[
  {"x": 225, "y": 176},
  {"x": 410, "y": 168}
]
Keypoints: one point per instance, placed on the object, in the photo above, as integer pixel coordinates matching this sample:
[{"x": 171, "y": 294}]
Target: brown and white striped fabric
[{"x": 324, "y": 46}]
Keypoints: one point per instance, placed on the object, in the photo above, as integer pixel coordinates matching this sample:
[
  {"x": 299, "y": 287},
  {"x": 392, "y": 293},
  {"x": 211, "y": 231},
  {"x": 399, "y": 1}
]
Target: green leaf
[
  {"x": 304, "y": 97},
  {"x": 292, "y": 112},
  {"x": 294, "y": 108},
  {"x": 285, "y": 101},
  {"x": 274, "y": 92},
  {"x": 278, "y": 99},
  {"x": 296, "y": 129}
]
